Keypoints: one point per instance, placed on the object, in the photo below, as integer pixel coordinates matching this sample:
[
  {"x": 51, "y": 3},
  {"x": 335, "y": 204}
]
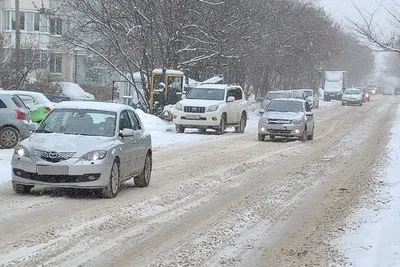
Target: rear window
[
  {"x": 2, "y": 105},
  {"x": 18, "y": 102}
]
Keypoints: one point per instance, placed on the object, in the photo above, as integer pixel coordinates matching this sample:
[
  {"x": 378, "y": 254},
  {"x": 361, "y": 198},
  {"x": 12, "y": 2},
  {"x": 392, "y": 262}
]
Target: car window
[
  {"x": 134, "y": 120},
  {"x": 206, "y": 94},
  {"x": 231, "y": 92},
  {"x": 238, "y": 94},
  {"x": 124, "y": 121},
  {"x": 2, "y": 105},
  {"x": 28, "y": 100},
  {"x": 18, "y": 102},
  {"x": 285, "y": 106}
]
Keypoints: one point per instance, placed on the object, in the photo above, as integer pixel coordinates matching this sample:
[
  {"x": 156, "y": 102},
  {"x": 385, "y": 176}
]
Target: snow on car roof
[
  {"x": 213, "y": 86},
  {"x": 40, "y": 96},
  {"x": 290, "y": 99},
  {"x": 92, "y": 105}
]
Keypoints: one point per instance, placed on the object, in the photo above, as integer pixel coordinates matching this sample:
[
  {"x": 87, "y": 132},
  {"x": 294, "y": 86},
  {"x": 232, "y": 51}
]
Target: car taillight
[
  {"x": 20, "y": 114},
  {"x": 47, "y": 108}
]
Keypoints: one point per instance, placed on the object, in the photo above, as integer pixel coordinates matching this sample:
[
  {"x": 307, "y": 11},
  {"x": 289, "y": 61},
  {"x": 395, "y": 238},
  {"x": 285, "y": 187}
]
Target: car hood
[
  {"x": 67, "y": 143},
  {"x": 284, "y": 115},
  {"x": 200, "y": 102}
]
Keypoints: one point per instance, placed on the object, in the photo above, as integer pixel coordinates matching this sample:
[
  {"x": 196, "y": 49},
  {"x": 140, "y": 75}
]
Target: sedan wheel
[
  {"x": 143, "y": 179},
  {"x": 303, "y": 137},
  {"x": 9, "y": 137},
  {"x": 112, "y": 188},
  {"x": 242, "y": 124}
]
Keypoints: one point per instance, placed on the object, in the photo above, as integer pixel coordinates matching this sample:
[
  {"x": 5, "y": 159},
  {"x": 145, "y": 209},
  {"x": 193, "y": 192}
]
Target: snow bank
[
  {"x": 153, "y": 123},
  {"x": 5, "y": 167},
  {"x": 375, "y": 239},
  {"x": 75, "y": 91}
]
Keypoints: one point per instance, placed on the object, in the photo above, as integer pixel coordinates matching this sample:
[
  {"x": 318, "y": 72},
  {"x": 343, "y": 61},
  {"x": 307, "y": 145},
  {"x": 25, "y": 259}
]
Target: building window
[
  {"x": 29, "y": 21},
  {"x": 56, "y": 64},
  {"x": 56, "y": 26}
]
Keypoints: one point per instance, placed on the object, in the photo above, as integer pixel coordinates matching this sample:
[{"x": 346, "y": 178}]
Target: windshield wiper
[
  {"x": 43, "y": 131},
  {"x": 86, "y": 134}
]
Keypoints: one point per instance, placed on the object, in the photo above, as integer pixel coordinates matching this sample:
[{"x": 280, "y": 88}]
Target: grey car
[
  {"x": 287, "y": 118},
  {"x": 14, "y": 120},
  {"x": 89, "y": 145}
]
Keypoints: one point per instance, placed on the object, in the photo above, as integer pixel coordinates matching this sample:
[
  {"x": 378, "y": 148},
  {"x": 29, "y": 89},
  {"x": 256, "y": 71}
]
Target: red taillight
[
  {"x": 20, "y": 114},
  {"x": 48, "y": 108}
]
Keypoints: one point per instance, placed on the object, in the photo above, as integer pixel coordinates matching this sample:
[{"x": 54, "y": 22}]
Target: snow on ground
[
  {"x": 5, "y": 168},
  {"x": 375, "y": 236}
]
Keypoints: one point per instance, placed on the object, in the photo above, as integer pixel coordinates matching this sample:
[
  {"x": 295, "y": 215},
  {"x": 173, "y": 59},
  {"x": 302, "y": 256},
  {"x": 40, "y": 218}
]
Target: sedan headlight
[
  {"x": 212, "y": 108},
  {"x": 178, "y": 106},
  {"x": 95, "y": 155},
  {"x": 21, "y": 151},
  {"x": 296, "y": 122}
]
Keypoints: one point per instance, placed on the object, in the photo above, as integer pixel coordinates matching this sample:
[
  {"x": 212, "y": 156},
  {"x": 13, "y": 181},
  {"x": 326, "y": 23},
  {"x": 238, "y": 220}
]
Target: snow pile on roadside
[
  {"x": 5, "y": 167},
  {"x": 154, "y": 123},
  {"x": 75, "y": 91},
  {"x": 375, "y": 239}
]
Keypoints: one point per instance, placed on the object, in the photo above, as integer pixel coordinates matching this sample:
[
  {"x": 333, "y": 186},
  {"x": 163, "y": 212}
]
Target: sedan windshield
[
  {"x": 79, "y": 122},
  {"x": 271, "y": 96},
  {"x": 285, "y": 106},
  {"x": 206, "y": 94},
  {"x": 352, "y": 92}
]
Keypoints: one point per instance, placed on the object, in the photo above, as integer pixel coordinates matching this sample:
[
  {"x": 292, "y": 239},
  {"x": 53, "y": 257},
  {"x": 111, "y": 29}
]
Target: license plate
[
  {"x": 192, "y": 117},
  {"x": 51, "y": 170}
]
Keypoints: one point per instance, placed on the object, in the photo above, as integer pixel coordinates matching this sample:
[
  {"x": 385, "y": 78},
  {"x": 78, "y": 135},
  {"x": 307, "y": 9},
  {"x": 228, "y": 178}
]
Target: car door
[
  {"x": 140, "y": 142},
  {"x": 310, "y": 119},
  {"x": 232, "y": 106},
  {"x": 241, "y": 102},
  {"x": 128, "y": 151}
]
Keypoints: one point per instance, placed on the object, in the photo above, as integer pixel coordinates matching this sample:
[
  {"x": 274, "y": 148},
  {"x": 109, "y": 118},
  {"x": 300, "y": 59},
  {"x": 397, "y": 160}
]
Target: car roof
[
  {"x": 290, "y": 99},
  {"x": 216, "y": 86},
  {"x": 21, "y": 92},
  {"x": 279, "y": 91},
  {"x": 93, "y": 105}
]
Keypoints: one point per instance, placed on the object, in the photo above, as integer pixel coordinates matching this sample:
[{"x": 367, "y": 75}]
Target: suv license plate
[
  {"x": 52, "y": 170},
  {"x": 192, "y": 117}
]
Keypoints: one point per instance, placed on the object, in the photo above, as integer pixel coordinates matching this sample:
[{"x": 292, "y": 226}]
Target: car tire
[
  {"x": 9, "y": 137},
  {"x": 261, "y": 137},
  {"x": 202, "y": 130},
  {"x": 222, "y": 125},
  {"x": 242, "y": 124},
  {"x": 179, "y": 129},
  {"x": 21, "y": 188},
  {"x": 114, "y": 182},
  {"x": 303, "y": 138},
  {"x": 311, "y": 136},
  {"x": 143, "y": 179},
  {"x": 361, "y": 104},
  {"x": 272, "y": 137}
]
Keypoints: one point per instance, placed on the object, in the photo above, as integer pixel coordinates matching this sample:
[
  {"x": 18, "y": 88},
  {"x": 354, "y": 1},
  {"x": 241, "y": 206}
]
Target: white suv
[{"x": 212, "y": 106}]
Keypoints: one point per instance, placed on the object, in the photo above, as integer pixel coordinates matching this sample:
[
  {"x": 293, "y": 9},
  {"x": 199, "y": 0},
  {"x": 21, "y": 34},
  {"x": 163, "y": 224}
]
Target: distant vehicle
[
  {"x": 14, "y": 120},
  {"x": 372, "y": 89},
  {"x": 287, "y": 118},
  {"x": 334, "y": 85},
  {"x": 299, "y": 94},
  {"x": 212, "y": 106},
  {"x": 396, "y": 91},
  {"x": 387, "y": 91},
  {"x": 93, "y": 147},
  {"x": 352, "y": 96},
  {"x": 312, "y": 97},
  {"x": 273, "y": 95},
  {"x": 39, "y": 105}
]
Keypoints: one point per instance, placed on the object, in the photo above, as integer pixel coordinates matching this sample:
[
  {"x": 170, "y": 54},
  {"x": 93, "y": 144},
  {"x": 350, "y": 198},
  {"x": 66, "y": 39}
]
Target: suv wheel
[
  {"x": 222, "y": 125},
  {"x": 21, "y": 188},
  {"x": 179, "y": 129},
  {"x": 242, "y": 124},
  {"x": 9, "y": 137}
]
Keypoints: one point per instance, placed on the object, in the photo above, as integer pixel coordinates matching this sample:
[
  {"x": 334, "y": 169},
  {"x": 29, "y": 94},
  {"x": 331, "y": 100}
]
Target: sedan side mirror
[
  {"x": 126, "y": 132},
  {"x": 230, "y": 99},
  {"x": 183, "y": 96}
]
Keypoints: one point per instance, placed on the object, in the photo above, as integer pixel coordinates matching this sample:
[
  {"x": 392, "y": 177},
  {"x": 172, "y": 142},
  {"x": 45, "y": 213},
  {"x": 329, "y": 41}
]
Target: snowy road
[{"x": 229, "y": 201}]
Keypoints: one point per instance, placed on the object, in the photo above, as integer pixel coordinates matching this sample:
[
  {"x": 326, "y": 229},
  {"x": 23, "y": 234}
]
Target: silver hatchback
[
  {"x": 89, "y": 145},
  {"x": 287, "y": 118}
]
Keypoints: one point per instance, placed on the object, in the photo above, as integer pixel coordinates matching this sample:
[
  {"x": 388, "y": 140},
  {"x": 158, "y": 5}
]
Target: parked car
[
  {"x": 39, "y": 105},
  {"x": 212, "y": 106},
  {"x": 14, "y": 120},
  {"x": 352, "y": 96},
  {"x": 97, "y": 146},
  {"x": 396, "y": 91},
  {"x": 273, "y": 95},
  {"x": 287, "y": 118}
]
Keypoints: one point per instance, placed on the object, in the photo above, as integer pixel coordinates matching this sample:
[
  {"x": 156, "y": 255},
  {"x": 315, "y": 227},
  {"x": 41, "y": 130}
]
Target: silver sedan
[{"x": 84, "y": 145}]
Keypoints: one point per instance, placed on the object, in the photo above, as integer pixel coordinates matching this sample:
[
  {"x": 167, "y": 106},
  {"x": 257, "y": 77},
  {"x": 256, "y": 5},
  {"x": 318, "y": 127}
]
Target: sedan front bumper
[
  {"x": 351, "y": 101},
  {"x": 285, "y": 130}
]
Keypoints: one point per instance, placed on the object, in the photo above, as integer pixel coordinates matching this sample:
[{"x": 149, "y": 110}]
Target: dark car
[{"x": 396, "y": 91}]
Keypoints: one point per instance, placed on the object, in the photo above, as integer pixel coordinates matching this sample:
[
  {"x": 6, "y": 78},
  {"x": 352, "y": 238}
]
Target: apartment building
[{"x": 42, "y": 34}]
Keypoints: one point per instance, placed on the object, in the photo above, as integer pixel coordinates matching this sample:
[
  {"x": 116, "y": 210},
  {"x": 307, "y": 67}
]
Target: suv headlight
[
  {"x": 178, "y": 106},
  {"x": 296, "y": 122},
  {"x": 212, "y": 108},
  {"x": 21, "y": 151},
  {"x": 264, "y": 120},
  {"x": 94, "y": 155}
]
